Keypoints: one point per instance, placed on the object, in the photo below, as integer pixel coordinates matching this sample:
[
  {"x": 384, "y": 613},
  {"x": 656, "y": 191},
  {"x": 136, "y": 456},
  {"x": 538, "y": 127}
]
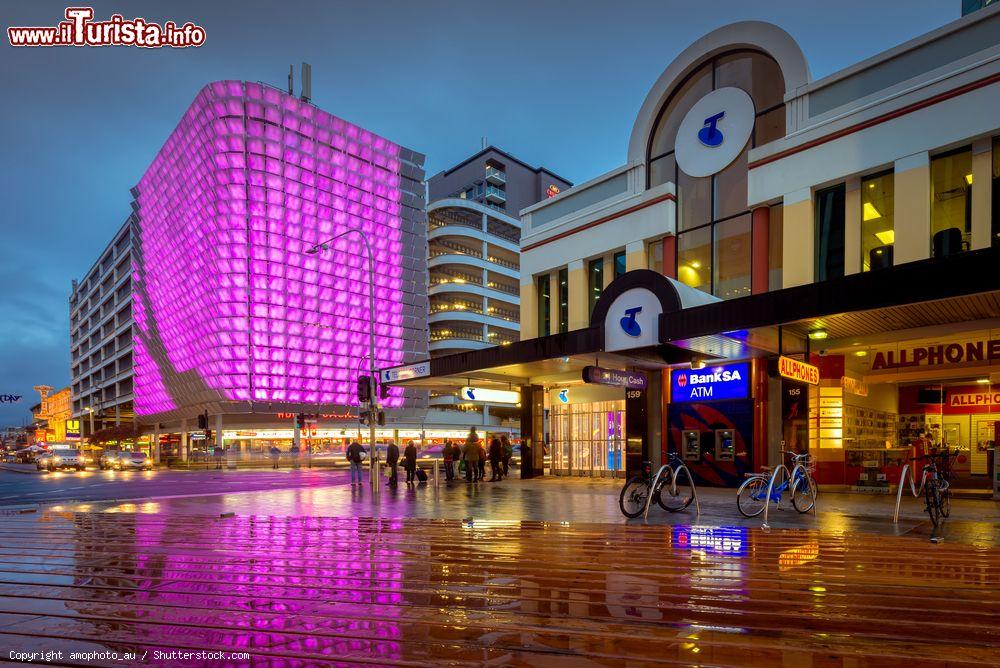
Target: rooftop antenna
[
  {"x": 307, "y": 82},
  {"x": 291, "y": 77},
  {"x": 484, "y": 142}
]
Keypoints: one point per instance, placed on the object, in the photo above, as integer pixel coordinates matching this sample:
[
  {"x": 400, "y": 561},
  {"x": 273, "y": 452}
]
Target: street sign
[
  {"x": 633, "y": 380},
  {"x": 727, "y": 381},
  {"x": 418, "y": 370}
]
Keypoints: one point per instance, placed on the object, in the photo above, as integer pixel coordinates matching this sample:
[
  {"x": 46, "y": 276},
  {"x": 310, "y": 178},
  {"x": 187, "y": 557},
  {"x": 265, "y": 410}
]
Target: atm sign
[{"x": 795, "y": 370}]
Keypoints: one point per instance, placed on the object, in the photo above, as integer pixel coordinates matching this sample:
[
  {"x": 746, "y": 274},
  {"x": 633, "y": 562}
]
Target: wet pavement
[
  {"x": 96, "y": 485},
  {"x": 546, "y": 573}
]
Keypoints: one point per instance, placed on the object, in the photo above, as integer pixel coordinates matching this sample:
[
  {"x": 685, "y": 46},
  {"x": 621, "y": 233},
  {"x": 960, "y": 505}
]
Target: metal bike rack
[
  {"x": 770, "y": 490},
  {"x": 899, "y": 492},
  {"x": 673, "y": 486}
]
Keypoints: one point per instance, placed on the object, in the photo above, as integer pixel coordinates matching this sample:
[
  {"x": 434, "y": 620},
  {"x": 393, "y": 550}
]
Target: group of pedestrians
[
  {"x": 473, "y": 455},
  {"x": 409, "y": 462}
]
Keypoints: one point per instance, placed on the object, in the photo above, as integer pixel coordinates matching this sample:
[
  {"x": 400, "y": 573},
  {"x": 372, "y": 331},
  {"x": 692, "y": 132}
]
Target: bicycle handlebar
[{"x": 936, "y": 455}]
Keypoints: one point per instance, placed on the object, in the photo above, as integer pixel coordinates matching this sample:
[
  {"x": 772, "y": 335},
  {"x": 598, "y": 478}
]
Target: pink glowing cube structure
[{"x": 229, "y": 309}]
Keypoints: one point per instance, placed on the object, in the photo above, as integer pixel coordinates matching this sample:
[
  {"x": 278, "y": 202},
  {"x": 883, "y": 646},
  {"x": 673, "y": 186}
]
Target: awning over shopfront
[{"x": 645, "y": 320}]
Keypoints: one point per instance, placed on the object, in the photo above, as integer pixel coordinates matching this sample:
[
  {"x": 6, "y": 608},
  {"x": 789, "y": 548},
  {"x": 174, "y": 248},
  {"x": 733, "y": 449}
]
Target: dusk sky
[{"x": 555, "y": 83}]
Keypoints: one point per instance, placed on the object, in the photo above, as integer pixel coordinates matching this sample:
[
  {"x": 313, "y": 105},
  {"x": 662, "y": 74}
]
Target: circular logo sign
[{"x": 714, "y": 132}]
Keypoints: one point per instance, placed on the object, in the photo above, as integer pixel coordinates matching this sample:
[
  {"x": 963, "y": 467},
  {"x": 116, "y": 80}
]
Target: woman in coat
[
  {"x": 410, "y": 461},
  {"x": 471, "y": 455}
]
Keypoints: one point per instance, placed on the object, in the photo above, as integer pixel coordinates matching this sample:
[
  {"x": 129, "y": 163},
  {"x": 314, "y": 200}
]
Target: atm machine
[
  {"x": 725, "y": 445},
  {"x": 691, "y": 445}
]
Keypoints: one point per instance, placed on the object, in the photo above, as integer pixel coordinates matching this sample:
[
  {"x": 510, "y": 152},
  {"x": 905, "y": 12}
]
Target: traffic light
[
  {"x": 203, "y": 420},
  {"x": 364, "y": 389},
  {"x": 383, "y": 390},
  {"x": 364, "y": 416},
  {"x": 380, "y": 417},
  {"x": 300, "y": 420}
]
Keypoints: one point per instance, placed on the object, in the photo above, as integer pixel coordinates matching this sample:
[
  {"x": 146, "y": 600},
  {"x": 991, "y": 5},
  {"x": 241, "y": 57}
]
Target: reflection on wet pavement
[{"x": 417, "y": 591}]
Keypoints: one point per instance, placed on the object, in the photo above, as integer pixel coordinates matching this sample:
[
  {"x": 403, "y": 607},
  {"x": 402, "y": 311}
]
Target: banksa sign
[{"x": 728, "y": 381}]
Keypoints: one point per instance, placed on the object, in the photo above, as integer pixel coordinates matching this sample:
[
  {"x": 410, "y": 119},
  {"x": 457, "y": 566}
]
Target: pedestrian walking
[
  {"x": 496, "y": 457},
  {"x": 449, "y": 455},
  {"x": 392, "y": 460},
  {"x": 294, "y": 454},
  {"x": 275, "y": 456},
  {"x": 355, "y": 453},
  {"x": 218, "y": 452},
  {"x": 482, "y": 460},
  {"x": 470, "y": 454},
  {"x": 410, "y": 461},
  {"x": 508, "y": 452}
]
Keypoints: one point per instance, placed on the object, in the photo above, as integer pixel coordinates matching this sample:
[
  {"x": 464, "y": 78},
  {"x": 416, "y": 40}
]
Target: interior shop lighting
[
  {"x": 887, "y": 237},
  {"x": 870, "y": 212},
  {"x": 697, "y": 364},
  {"x": 818, "y": 334}
]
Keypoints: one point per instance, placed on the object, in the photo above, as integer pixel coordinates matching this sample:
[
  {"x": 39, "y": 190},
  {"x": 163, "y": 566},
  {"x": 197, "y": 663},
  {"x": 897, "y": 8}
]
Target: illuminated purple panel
[{"x": 228, "y": 305}]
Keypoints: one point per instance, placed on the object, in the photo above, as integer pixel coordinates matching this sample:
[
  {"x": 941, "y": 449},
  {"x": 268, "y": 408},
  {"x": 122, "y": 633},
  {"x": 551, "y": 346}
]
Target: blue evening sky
[{"x": 556, "y": 83}]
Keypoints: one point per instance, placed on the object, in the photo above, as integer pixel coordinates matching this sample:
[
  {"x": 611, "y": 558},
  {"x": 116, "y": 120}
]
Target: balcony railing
[
  {"x": 456, "y": 307},
  {"x": 504, "y": 314},
  {"x": 441, "y": 247},
  {"x": 495, "y": 194},
  {"x": 502, "y": 287},
  {"x": 494, "y": 175},
  {"x": 453, "y": 334},
  {"x": 504, "y": 233},
  {"x": 504, "y": 263}
]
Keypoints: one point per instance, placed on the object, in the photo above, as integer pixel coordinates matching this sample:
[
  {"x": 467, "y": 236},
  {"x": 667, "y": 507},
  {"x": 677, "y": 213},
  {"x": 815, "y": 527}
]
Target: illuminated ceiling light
[
  {"x": 887, "y": 237},
  {"x": 869, "y": 212},
  {"x": 861, "y": 353},
  {"x": 968, "y": 179},
  {"x": 983, "y": 381},
  {"x": 818, "y": 334},
  {"x": 697, "y": 364},
  {"x": 695, "y": 264}
]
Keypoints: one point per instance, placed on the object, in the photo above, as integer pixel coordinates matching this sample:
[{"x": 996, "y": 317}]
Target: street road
[{"x": 96, "y": 485}]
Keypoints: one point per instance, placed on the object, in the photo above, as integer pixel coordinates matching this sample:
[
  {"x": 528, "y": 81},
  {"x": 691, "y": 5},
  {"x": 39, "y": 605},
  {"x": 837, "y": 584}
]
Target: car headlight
[{"x": 56, "y": 458}]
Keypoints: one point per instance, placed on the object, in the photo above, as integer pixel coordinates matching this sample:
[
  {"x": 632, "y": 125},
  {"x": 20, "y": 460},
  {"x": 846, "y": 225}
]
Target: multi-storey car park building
[
  {"x": 782, "y": 263},
  {"x": 232, "y": 317},
  {"x": 101, "y": 365},
  {"x": 473, "y": 259}
]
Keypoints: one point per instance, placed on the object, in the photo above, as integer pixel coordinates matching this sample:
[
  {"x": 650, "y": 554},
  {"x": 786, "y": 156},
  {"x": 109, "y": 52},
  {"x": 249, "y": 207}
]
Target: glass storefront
[{"x": 588, "y": 439}]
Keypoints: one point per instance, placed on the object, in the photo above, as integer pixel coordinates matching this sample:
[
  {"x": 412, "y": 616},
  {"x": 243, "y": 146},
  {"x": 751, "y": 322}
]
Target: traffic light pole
[{"x": 373, "y": 457}]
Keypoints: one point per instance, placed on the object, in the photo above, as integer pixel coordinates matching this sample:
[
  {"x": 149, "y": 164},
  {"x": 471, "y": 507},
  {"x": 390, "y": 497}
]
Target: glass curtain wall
[
  {"x": 951, "y": 202},
  {"x": 829, "y": 245},
  {"x": 544, "y": 306},
  {"x": 588, "y": 439},
  {"x": 713, "y": 223},
  {"x": 595, "y": 282},
  {"x": 563, "y": 299},
  {"x": 877, "y": 229}
]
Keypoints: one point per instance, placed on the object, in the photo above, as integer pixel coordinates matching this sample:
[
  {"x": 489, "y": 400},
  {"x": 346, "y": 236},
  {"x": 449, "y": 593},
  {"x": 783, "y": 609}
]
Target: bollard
[{"x": 437, "y": 470}]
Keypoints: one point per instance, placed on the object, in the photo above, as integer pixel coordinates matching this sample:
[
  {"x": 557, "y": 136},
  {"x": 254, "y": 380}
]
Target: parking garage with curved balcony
[{"x": 474, "y": 271}]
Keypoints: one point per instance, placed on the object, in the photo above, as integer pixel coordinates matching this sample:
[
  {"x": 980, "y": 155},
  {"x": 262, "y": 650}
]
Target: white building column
[
  {"x": 912, "y": 204},
  {"x": 156, "y": 443},
  {"x": 982, "y": 193},
  {"x": 852, "y": 226},
  {"x": 219, "y": 439},
  {"x": 798, "y": 241}
]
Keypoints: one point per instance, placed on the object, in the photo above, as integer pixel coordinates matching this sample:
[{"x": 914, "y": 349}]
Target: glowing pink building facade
[{"x": 231, "y": 315}]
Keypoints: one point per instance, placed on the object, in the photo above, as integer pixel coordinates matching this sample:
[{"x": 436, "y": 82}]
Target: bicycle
[
  {"x": 937, "y": 489},
  {"x": 668, "y": 494},
  {"x": 750, "y": 497}
]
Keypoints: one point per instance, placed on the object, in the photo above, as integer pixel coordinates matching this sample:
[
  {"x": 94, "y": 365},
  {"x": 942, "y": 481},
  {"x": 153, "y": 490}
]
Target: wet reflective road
[{"x": 306, "y": 590}]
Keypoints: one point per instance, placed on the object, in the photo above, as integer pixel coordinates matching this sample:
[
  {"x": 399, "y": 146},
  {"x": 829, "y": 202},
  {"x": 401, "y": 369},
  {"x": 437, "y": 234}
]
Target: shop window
[
  {"x": 620, "y": 264},
  {"x": 755, "y": 73},
  {"x": 695, "y": 87},
  {"x": 995, "y": 225},
  {"x": 654, "y": 256},
  {"x": 775, "y": 252},
  {"x": 595, "y": 282},
  {"x": 951, "y": 202},
  {"x": 544, "y": 306},
  {"x": 663, "y": 170},
  {"x": 732, "y": 258},
  {"x": 877, "y": 233},
  {"x": 829, "y": 245},
  {"x": 694, "y": 258},
  {"x": 563, "y": 300}
]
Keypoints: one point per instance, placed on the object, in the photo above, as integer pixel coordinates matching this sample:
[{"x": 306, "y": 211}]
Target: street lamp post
[
  {"x": 316, "y": 248},
  {"x": 90, "y": 409}
]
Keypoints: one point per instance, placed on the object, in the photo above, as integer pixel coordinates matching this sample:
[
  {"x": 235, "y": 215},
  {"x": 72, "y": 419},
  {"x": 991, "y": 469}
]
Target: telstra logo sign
[
  {"x": 564, "y": 395},
  {"x": 629, "y": 324},
  {"x": 710, "y": 135}
]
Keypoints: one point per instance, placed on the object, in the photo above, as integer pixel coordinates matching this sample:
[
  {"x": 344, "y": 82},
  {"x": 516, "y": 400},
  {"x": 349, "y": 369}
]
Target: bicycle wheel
[
  {"x": 632, "y": 500},
  {"x": 945, "y": 501},
  {"x": 933, "y": 497},
  {"x": 751, "y": 496},
  {"x": 675, "y": 502},
  {"x": 804, "y": 494}
]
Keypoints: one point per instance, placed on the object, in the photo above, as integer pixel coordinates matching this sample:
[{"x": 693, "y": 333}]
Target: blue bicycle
[{"x": 750, "y": 497}]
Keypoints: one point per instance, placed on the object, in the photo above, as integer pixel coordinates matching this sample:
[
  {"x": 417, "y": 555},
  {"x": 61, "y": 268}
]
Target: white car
[
  {"x": 135, "y": 461},
  {"x": 61, "y": 459}
]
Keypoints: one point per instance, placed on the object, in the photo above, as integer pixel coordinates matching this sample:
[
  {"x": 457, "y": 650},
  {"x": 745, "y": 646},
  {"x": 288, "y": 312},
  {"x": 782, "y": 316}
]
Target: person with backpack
[
  {"x": 410, "y": 461},
  {"x": 470, "y": 454},
  {"x": 391, "y": 460},
  {"x": 508, "y": 452},
  {"x": 355, "y": 453}
]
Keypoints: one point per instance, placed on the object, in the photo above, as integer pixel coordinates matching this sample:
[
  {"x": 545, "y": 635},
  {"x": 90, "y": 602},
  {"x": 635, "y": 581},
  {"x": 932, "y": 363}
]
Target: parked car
[
  {"x": 28, "y": 455},
  {"x": 61, "y": 459},
  {"x": 135, "y": 461}
]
